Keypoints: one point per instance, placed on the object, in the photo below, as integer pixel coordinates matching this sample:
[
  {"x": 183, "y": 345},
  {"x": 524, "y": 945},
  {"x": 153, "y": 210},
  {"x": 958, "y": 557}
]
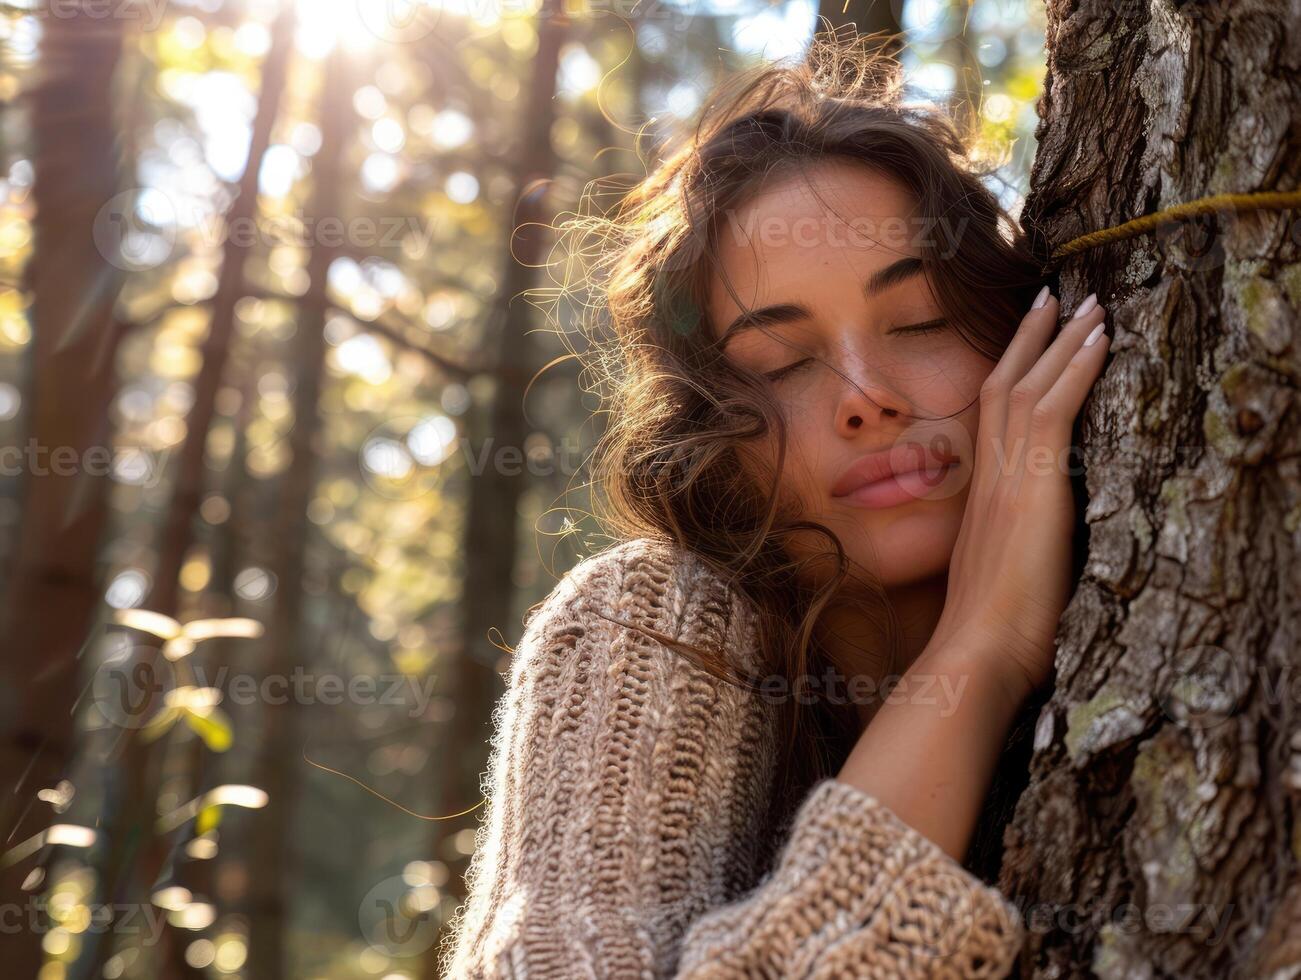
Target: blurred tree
[
  {"x": 279, "y": 762},
  {"x": 961, "y": 55},
  {"x": 54, "y": 589},
  {"x": 195, "y": 860},
  {"x": 866, "y": 17},
  {"x": 134, "y": 855},
  {"x": 497, "y": 425},
  {"x": 1166, "y": 764},
  {"x": 177, "y": 533}
]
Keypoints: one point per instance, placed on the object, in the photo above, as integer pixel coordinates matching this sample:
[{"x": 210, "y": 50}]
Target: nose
[{"x": 863, "y": 404}]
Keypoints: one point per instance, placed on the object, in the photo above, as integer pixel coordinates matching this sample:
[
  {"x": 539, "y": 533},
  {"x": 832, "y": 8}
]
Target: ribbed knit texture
[{"x": 626, "y": 827}]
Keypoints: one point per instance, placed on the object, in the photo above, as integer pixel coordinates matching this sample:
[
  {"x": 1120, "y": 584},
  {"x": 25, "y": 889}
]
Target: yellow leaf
[
  {"x": 207, "y": 820},
  {"x": 213, "y": 727}
]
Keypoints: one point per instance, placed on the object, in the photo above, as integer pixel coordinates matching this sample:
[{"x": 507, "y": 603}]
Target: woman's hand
[{"x": 1009, "y": 578}]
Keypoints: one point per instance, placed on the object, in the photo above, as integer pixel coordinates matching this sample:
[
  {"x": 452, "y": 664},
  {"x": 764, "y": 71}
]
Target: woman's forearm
[{"x": 929, "y": 751}]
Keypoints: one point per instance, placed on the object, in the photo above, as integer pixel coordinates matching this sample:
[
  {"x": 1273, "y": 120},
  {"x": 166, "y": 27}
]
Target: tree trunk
[
  {"x": 1158, "y": 833},
  {"x": 279, "y": 762},
  {"x": 177, "y": 532},
  {"x": 499, "y": 425},
  {"x": 960, "y": 53},
  {"x": 133, "y": 854},
  {"x": 199, "y": 873},
  {"x": 54, "y": 588}
]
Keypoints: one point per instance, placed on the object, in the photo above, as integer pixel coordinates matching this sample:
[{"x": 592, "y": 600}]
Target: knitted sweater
[{"x": 626, "y": 830}]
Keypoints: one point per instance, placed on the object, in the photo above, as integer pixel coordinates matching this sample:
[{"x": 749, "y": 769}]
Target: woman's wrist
[{"x": 1001, "y": 679}]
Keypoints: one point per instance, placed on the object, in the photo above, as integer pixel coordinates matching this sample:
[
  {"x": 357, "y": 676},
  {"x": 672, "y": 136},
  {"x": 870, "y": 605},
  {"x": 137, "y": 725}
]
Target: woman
[{"x": 839, "y": 410}]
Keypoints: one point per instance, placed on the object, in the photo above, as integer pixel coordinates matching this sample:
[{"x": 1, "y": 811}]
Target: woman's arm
[
  {"x": 931, "y": 748},
  {"x": 625, "y": 819}
]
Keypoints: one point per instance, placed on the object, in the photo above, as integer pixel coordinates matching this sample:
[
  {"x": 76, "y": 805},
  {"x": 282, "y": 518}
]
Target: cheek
[
  {"x": 970, "y": 373},
  {"x": 960, "y": 378},
  {"x": 968, "y": 414},
  {"x": 795, "y": 480}
]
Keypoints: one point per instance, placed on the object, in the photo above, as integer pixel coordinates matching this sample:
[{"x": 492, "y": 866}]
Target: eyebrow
[{"x": 882, "y": 279}]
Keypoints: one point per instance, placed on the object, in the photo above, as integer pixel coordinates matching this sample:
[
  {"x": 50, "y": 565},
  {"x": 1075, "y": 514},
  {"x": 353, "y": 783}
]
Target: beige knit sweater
[{"x": 625, "y": 832}]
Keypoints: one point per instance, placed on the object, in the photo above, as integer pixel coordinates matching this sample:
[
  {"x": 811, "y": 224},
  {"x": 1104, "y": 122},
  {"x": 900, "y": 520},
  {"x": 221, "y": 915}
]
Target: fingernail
[
  {"x": 1041, "y": 299},
  {"x": 1093, "y": 336},
  {"x": 1089, "y": 303}
]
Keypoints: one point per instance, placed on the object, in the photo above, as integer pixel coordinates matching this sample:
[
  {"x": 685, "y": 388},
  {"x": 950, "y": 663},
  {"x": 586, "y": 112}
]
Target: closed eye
[
  {"x": 927, "y": 326},
  {"x": 787, "y": 370}
]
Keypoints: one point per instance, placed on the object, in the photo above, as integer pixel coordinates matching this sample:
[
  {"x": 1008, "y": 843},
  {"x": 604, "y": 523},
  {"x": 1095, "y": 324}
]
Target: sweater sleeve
[{"x": 622, "y": 832}]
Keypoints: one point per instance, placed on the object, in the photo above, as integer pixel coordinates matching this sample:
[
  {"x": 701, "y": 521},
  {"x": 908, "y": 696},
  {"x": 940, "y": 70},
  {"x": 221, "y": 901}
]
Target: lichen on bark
[{"x": 1163, "y": 806}]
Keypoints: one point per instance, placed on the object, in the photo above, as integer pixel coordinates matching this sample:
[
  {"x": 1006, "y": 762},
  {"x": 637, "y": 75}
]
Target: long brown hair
[{"x": 680, "y": 418}]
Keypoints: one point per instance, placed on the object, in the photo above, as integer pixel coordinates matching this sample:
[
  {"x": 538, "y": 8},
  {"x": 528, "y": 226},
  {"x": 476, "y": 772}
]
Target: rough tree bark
[{"x": 1158, "y": 836}]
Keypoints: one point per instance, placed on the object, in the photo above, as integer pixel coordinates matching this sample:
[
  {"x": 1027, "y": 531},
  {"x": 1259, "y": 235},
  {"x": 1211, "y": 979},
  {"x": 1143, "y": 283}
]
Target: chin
[
  {"x": 896, "y": 546},
  {"x": 905, "y": 546}
]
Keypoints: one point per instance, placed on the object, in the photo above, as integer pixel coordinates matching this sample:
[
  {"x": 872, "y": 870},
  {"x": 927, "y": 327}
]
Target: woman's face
[{"x": 832, "y": 258}]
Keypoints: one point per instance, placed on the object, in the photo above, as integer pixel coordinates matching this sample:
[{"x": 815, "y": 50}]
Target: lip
[{"x": 893, "y": 476}]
